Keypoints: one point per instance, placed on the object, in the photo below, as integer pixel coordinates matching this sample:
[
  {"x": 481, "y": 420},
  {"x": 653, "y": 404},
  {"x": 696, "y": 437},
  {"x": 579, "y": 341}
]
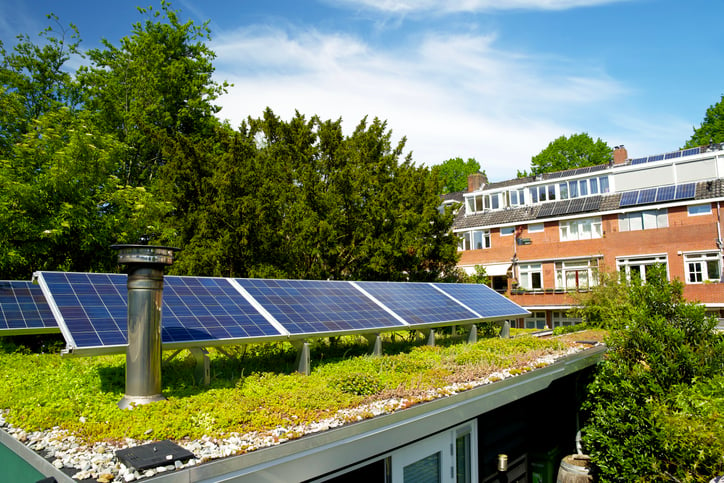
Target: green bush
[
  {"x": 361, "y": 384},
  {"x": 636, "y": 427}
]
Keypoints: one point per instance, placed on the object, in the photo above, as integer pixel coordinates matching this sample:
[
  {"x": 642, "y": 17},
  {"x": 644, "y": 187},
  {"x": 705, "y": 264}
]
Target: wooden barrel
[{"x": 574, "y": 469}]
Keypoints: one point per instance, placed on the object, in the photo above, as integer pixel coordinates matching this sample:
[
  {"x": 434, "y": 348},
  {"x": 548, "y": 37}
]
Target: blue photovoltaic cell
[
  {"x": 629, "y": 198},
  {"x": 318, "y": 306},
  {"x": 482, "y": 299},
  {"x": 675, "y": 154},
  {"x": 657, "y": 157},
  {"x": 685, "y": 191},
  {"x": 207, "y": 308},
  {"x": 646, "y": 196},
  {"x": 23, "y": 309},
  {"x": 417, "y": 303},
  {"x": 639, "y": 161},
  {"x": 94, "y": 308},
  {"x": 665, "y": 193},
  {"x": 689, "y": 152}
]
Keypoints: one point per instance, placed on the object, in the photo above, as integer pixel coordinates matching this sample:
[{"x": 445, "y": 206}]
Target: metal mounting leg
[
  {"x": 505, "y": 331},
  {"x": 473, "y": 334},
  {"x": 431, "y": 338},
  {"x": 303, "y": 363},
  {"x": 202, "y": 371}
]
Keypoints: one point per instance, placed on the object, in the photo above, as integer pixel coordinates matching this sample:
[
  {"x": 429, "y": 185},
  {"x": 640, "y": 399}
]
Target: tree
[
  {"x": 454, "y": 172},
  {"x": 711, "y": 129},
  {"x": 577, "y": 151},
  {"x": 634, "y": 429}
]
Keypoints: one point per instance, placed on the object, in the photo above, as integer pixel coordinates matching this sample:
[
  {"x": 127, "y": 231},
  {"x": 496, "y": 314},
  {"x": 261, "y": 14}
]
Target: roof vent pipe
[{"x": 145, "y": 266}]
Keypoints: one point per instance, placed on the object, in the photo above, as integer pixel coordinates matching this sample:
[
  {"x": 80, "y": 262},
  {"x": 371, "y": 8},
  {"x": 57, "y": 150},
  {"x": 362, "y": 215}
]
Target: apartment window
[
  {"x": 583, "y": 187},
  {"x": 643, "y": 220},
  {"x": 551, "y": 192},
  {"x": 537, "y": 320},
  {"x": 603, "y": 184},
  {"x": 702, "y": 267},
  {"x": 581, "y": 229},
  {"x": 593, "y": 182},
  {"x": 576, "y": 274},
  {"x": 536, "y": 227},
  {"x": 561, "y": 319},
  {"x": 542, "y": 193},
  {"x": 474, "y": 240},
  {"x": 635, "y": 267},
  {"x": 531, "y": 276},
  {"x": 507, "y": 230},
  {"x": 573, "y": 189},
  {"x": 495, "y": 201},
  {"x": 695, "y": 210},
  {"x": 517, "y": 197},
  {"x": 534, "y": 195}
]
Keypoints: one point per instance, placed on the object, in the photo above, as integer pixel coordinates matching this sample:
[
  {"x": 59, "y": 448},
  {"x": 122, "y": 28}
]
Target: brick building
[{"x": 542, "y": 237}]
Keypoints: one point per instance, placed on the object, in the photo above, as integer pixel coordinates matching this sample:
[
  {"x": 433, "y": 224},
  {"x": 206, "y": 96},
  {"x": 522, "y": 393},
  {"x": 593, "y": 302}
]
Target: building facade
[{"x": 540, "y": 238}]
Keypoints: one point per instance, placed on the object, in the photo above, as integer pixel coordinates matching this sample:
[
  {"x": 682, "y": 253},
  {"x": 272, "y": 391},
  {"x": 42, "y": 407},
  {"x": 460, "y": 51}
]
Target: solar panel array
[
  {"x": 23, "y": 309},
  {"x": 658, "y": 195},
  {"x": 91, "y": 308},
  {"x": 569, "y": 207},
  {"x": 577, "y": 171},
  {"x": 671, "y": 155}
]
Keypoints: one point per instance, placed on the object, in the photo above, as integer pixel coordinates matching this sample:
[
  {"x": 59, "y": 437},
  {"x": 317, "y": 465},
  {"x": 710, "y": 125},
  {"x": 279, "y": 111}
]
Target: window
[
  {"x": 517, "y": 197},
  {"x": 537, "y": 320},
  {"x": 551, "y": 192},
  {"x": 603, "y": 184},
  {"x": 563, "y": 188},
  {"x": 581, "y": 229},
  {"x": 593, "y": 182},
  {"x": 450, "y": 457},
  {"x": 474, "y": 240},
  {"x": 534, "y": 195},
  {"x": 542, "y": 193},
  {"x": 635, "y": 267},
  {"x": 702, "y": 267},
  {"x": 573, "y": 189},
  {"x": 531, "y": 276},
  {"x": 583, "y": 187},
  {"x": 561, "y": 319},
  {"x": 495, "y": 201},
  {"x": 695, "y": 210},
  {"x": 507, "y": 230},
  {"x": 536, "y": 227},
  {"x": 576, "y": 274},
  {"x": 643, "y": 220}
]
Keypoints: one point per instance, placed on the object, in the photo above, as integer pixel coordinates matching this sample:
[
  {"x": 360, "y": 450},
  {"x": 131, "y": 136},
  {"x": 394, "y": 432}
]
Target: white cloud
[
  {"x": 450, "y": 6},
  {"x": 450, "y": 95}
]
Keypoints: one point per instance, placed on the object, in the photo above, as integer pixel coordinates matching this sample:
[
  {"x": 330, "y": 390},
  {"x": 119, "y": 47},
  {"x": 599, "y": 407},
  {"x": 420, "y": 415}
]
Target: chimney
[
  {"x": 143, "y": 353},
  {"x": 476, "y": 181},
  {"x": 620, "y": 156}
]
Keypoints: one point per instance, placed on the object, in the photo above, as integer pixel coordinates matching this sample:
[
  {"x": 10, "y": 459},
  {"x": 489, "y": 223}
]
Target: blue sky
[{"x": 495, "y": 80}]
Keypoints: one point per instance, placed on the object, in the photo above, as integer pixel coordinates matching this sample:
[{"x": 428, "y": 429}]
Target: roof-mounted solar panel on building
[
  {"x": 598, "y": 167},
  {"x": 576, "y": 205},
  {"x": 685, "y": 191},
  {"x": 92, "y": 311},
  {"x": 23, "y": 309},
  {"x": 482, "y": 299},
  {"x": 545, "y": 210},
  {"x": 639, "y": 160},
  {"x": 656, "y": 157},
  {"x": 560, "y": 208},
  {"x": 418, "y": 303},
  {"x": 646, "y": 196},
  {"x": 691, "y": 151},
  {"x": 675, "y": 154},
  {"x": 629, "y": 198},
  {"x": 592, "y": 203},
  {"x": 665, "y": 193},
  {"x": 308, "y": 307}
]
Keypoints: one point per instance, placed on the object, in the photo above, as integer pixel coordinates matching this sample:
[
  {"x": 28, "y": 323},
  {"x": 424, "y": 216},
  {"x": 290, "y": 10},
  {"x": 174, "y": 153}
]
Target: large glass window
[
  {"x": 536, "y": 320},
  {"x": 562, "y": 319},
  {"x": 603, "y": 184},
  {"x": 702, "y": 267},
  {"x": 531, "y": 276},
  {"x": 695, "y": 210},
  {"x": 635, "y": 267},
  {"x": 474, "y": 240},
  {"x": 643, "y": 220},
  {"x": 563, "y": 189},
  {"x": 593, "y": 183},
  {"x": 576, "y": 274},
  {"x": 581, "y": 229}
]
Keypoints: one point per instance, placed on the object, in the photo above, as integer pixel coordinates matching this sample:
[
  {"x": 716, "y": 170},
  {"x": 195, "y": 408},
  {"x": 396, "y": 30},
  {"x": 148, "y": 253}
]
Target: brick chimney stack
[
  {"x": 620, "y": 155},
  {"x": 476, "y": 181}
]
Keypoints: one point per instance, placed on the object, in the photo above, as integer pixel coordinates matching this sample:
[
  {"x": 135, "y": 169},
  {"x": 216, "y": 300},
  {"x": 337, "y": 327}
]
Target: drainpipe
[{"x": 145, "y": 266}]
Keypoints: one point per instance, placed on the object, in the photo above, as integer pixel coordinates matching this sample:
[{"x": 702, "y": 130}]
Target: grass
[{"x": 255, "y": 389}]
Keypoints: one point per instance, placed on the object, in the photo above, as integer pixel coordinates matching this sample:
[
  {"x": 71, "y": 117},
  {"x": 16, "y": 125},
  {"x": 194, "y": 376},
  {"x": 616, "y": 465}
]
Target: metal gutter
[
  {"x": 315, "y": 455},
  {"x": 33, "y": 458}
]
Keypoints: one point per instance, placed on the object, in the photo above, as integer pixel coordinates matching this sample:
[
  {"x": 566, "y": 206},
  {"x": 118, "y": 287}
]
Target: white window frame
[
  {"x": 507, "y": 230},
  {"x": 536, "y": 320},
  {"x": 536, "y": 227},
  {"x": 568, "y": 271},
  {"x": 697, "y": 267},
  {"x": 580, "y": 229},
  {"x": 526, "y": 273},
  {"x": 467, "y": 240},
  {"x": 699, "y": 210},
  {"x": 561, "y": 319},
  {"x": 643, "y": 220},
  {"x": 640, "y": 262}
]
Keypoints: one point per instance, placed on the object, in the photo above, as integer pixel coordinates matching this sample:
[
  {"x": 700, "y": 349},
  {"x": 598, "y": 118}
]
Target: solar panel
[
  {"x": 592, "y": 203},
  {"x": 482, "y": 299},
  {"x": 691, "y": 151},
  {"x": 639, "y": 160},
  {"x": 685, "y": 191},
  {"x": 92, "y": 311},
  {"x": 629, "y": 198},
  {"x": 646, "y": 196},
  {"x": 318, "y": 306},
  {"x": 576, "y": 205},
  {"x": 657, "y": 157},
  {"x": 23, "y": 309},
  {"x": 560, "y": 208},
  {"x": 675, "y": 154},
  {"x": 418, "y": 303},
  {"x": 545, "y": 210},
  {"x": 598, "y": 167},
  {"x": 665, "y": 193}
]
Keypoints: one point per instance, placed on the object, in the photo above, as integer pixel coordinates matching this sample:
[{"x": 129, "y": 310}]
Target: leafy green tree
[
  {"x": 711, "y": 129},
  {"x": 454, "y": 172},
  {"x": 666, "y": 346},
  {"x": 576, "y": 151}
]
